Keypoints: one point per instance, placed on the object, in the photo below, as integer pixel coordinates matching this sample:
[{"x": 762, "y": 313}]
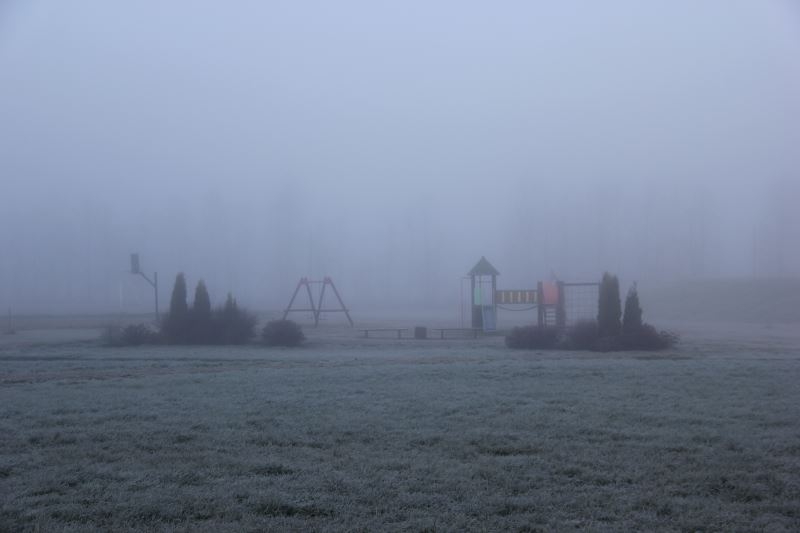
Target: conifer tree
[
  {"x": 231, "y": 306},
  {"x": 177, "y": 304},
  {"x": 201, "y": 307},
  {"x": 201, "y": 327},
  {"x": 609, "y": 308},
  {"x": 632, "y": 318},
  {"x": 176, "y": 325},
  {"x": 235, "y": 325}
]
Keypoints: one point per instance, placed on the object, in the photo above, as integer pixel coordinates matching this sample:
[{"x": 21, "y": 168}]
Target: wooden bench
[
  {"x": 473, "y": 332},
  {"x": 399, "y": 331}
]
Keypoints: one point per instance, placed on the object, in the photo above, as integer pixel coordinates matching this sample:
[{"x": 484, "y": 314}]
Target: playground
[
  {"x": 367, "y": 427},
  {"x": 549, "y": 304}
]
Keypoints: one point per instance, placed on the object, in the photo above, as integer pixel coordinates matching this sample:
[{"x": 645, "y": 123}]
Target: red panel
[{"x": 550, "y": 296}]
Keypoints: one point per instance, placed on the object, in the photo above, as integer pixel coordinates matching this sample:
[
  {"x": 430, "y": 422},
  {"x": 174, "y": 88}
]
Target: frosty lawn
[{"x": 348, "y": 434}]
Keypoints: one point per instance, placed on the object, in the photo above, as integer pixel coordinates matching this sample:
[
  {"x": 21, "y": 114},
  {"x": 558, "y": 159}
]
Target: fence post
[
  {"x": 561, "y": 310},
  {"x": 540, "y": 303}
]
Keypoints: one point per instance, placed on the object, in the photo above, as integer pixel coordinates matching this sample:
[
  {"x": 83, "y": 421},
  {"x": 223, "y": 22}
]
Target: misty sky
[{"x": 390, "y": 145}]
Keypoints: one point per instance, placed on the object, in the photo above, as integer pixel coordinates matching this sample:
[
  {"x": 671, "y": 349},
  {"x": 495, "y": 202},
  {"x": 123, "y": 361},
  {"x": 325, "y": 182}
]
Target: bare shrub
[
  {"x": 608, "y": 344},
  {"x": 282, "y": 333},
  {"x": 583, "y": 335},
  {"x": 112, "y": 335},
  {"x": 647, "y": 337},
  {"x": 138, "y": 334},
  {"x": 532, "y": 338},
  {"x": 132, "y": 335}
]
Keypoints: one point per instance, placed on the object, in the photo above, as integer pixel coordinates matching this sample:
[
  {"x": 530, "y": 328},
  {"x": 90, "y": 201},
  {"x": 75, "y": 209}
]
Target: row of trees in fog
[{"x": 202, "y": 324}]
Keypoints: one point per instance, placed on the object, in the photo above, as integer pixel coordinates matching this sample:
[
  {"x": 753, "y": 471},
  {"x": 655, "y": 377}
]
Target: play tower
[{"x": 483, "y": 282}]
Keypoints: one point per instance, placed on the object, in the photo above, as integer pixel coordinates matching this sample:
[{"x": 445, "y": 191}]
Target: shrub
[
  {"x": 138, "y": 334},
  {"x": 231, "y": 324},
  {"x": 282, "y": 333},
  {"x": 532, "y": 338},
  {"x": 132, "y": 335},
  {"x": 609, "y": 310},
  {"x": 112, "y": 335},
  {"x": 583, "y": 335},
  {"x": 608, "y": 344},
  {"x": 646, "y": 337}
]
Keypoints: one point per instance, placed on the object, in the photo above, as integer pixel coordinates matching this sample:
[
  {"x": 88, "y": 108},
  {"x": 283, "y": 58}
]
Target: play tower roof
[{"x": 483, "y": 268}]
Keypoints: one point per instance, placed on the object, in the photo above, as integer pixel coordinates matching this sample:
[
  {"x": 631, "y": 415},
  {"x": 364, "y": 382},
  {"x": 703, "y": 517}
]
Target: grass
[{"x": 405, "y": 435}]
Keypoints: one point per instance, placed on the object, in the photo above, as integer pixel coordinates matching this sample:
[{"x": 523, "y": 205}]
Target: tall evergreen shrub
[
  {"x": 609, "y": 308},
  {"x": 176, "y": 323},
  {"x": 632, "y": 317}
]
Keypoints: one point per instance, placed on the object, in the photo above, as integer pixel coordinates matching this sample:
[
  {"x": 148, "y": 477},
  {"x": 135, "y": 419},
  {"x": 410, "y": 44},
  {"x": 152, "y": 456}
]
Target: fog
[{"x": 390, "y": 146}]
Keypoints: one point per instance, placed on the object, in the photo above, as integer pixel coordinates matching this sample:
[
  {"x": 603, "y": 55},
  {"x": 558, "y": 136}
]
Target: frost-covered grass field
[{"x": 351, "y": 434}]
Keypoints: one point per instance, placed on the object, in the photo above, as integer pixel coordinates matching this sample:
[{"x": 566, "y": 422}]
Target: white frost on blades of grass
[{"x": 399, "y": 435}]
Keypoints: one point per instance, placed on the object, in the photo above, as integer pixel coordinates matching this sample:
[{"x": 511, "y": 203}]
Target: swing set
[{"x": 316, "y": 308}]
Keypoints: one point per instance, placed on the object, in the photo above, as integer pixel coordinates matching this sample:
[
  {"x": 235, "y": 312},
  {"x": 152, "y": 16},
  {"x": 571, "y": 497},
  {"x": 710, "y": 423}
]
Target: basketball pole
[{"x": 135, "y": 269}]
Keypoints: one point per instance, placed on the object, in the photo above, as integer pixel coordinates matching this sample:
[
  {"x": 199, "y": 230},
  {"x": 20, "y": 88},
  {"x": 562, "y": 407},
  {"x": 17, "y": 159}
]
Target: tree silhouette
[
  {"x": 609, "y": 308},
  {"x": 176, "y": 324},
  {"x": 201, "y": 331},
  {"x": 201, "y": 307},
  {"x": 177, "y": 304},
  {"x": 233, "y": 325},
  {"x": 632, "y": 318}
]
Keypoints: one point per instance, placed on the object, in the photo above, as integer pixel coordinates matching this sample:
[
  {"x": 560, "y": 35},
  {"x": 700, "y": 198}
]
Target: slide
[{"x": 489, "y": 318}]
